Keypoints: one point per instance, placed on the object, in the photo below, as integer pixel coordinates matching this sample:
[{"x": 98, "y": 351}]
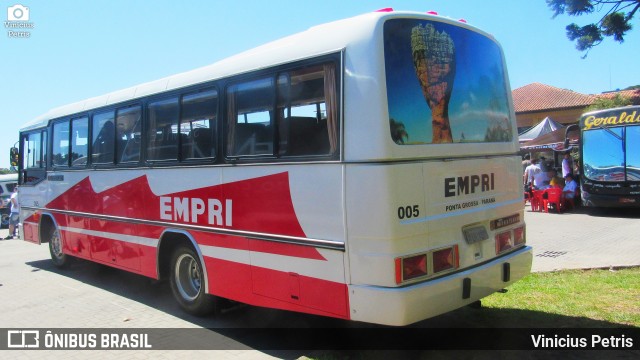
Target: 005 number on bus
[{"x": 408, "y": 212}]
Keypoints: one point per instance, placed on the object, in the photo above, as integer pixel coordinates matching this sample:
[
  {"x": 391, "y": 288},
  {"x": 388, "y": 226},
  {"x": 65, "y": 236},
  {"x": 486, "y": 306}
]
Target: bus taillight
[
  {"x": 411, "y": 267},
  {"x": 415, "y": 266},
  {"x": 519, "y": 237},
  {"x": 504, "y": 242},
  {"x": 445, "y": 259}
]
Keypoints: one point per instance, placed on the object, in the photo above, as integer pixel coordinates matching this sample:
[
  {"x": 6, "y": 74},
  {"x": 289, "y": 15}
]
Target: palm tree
[{"x": 398, "y": 131}]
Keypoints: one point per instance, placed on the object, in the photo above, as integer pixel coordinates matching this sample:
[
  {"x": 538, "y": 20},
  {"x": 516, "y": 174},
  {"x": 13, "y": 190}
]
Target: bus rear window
[{"x": 445, "y": 84}]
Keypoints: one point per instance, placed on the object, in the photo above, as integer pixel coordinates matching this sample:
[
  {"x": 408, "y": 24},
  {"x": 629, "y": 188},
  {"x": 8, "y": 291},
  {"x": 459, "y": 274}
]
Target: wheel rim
[
  {"x": 187, "y": 275},
  {"x": 56, "y": 244}
]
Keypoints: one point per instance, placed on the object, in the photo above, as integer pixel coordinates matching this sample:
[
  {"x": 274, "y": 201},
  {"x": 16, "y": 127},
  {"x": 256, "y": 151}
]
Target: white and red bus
[{"x": 364, "y": 169}]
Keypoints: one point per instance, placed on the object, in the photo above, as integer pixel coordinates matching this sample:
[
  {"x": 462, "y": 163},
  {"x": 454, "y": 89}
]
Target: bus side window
[
  {"x": 60, "y": 139},
  {"x": 198, "y": 125},
  {"x": 33, "y": 165},
  {"x": 79, "y": 141},
  {"x": 307, "y": 111},
  {"x": 103, "y": 141},
  {"x": 202, "y": 143},
  {"x": 162, "y": 132},
  {"x": 307, "y": 136},
  {"x": 250, "y": 113},
  {"x": 128, "y": 127}
]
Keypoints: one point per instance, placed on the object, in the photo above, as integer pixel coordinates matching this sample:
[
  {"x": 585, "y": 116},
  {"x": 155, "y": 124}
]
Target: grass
[
  {"x": 561, "y": 299},
  {"x": 594, "y": 298},
  {"x": 580, "y": 296}
]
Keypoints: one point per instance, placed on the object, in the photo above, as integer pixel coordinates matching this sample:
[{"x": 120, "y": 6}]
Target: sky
[{"x": 81, "y": 49}]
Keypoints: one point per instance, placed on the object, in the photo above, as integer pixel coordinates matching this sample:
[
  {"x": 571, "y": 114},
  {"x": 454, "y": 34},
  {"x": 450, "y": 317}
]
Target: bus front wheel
[{"x": 187, "y": 282}]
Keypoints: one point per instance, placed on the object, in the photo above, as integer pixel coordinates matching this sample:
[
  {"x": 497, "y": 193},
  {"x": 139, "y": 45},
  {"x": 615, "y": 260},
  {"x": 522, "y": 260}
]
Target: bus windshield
[
  {"x": 445, "y": 84},
  {"x": 611, "y": 154}
]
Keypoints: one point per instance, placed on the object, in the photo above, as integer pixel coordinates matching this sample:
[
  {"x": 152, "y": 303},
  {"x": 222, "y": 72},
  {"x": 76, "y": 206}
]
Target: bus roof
[{"x": 317, "y": 40}]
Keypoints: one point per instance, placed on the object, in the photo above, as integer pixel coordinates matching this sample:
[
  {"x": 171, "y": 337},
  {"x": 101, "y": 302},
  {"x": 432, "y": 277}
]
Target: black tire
[
  {"x": 4, "y": 222},
  {"x": 187, "y": 282},
  {"x": 58, "y": 258}
]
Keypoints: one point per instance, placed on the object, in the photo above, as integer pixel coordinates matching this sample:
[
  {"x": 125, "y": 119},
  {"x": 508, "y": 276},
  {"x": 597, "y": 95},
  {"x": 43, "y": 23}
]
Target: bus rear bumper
[{"x": 406, "y": 305}]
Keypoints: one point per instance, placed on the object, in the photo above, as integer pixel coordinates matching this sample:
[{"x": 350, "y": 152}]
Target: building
[{"x": 536, "y": 101}]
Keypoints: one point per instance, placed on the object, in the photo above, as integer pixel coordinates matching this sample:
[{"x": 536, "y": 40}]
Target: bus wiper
[{"x": 610, "y": 132}]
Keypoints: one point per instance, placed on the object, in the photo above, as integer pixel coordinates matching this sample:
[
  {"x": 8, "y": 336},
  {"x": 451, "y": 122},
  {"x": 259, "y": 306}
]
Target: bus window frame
[
  {"x": 53, "y": 126},
  {"x": 125, "y": 108},
  {"x": 40, "y": 171},
  {"x": 146, "y": 128},
  {"x": 92, "y": 115},
  {"x": 220, "y": 86},
  {"x": 217, "y": 126},
  {"x": 72, "y": 141},
  {"x": 271, "y": 78},
  {"x": 335, "y": 59}
]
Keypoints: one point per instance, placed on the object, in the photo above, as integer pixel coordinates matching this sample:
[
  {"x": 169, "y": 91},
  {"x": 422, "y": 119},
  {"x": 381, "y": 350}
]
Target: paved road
[
  {"x": 584, "y": 238},
  {"x": 35, "y": 294}
]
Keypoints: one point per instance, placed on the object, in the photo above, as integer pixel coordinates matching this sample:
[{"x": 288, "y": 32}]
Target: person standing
[
  {"x": 566, "y": 165},
  {"x": 533, "y": 175},
  {"x": 526, "y": 161},
  {"x": 14, "y": 217},
  {"x": 543, "y": 164}
]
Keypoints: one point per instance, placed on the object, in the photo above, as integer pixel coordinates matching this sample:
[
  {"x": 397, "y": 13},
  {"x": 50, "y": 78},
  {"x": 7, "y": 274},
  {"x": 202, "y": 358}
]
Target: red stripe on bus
[{"x": 261, "y": 204}]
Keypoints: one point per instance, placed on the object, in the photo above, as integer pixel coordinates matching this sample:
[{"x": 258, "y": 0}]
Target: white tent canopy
[{"x": 544, "y": 127}]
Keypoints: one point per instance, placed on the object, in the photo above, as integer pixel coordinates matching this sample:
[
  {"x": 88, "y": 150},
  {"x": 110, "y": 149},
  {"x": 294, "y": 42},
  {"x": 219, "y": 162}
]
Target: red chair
[
  {"x": 555, "y": 197},
  {"x": 536, "y": 200}
]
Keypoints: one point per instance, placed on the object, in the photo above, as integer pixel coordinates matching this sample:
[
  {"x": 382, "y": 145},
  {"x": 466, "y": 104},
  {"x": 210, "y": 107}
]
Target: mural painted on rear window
[{"x": 445, "y": 84}]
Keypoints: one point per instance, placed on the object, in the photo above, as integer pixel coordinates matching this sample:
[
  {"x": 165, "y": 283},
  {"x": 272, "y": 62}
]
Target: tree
[
  {"x": 398, "y": 131},
  {"x": 608, "y": 103},
  {"x": 616, "y": 22}
]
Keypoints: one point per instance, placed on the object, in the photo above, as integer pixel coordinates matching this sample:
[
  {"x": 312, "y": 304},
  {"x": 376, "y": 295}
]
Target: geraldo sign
[{"x": 622, "y": 118}]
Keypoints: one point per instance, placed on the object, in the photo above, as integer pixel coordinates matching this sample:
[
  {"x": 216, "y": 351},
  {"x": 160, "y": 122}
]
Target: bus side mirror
[
  {"x": 14, "y": 154},
  {"x": 567, "y": 130}
]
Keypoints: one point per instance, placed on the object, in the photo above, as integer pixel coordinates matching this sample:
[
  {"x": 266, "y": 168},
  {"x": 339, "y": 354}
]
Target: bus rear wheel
[
  {"x": 187, "y": 282},
  {"x": 59, "y": 258}
]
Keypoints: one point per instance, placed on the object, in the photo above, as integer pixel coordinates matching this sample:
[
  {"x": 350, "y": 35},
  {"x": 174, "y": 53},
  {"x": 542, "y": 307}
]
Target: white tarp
[{"x": 544, "y": 127}]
